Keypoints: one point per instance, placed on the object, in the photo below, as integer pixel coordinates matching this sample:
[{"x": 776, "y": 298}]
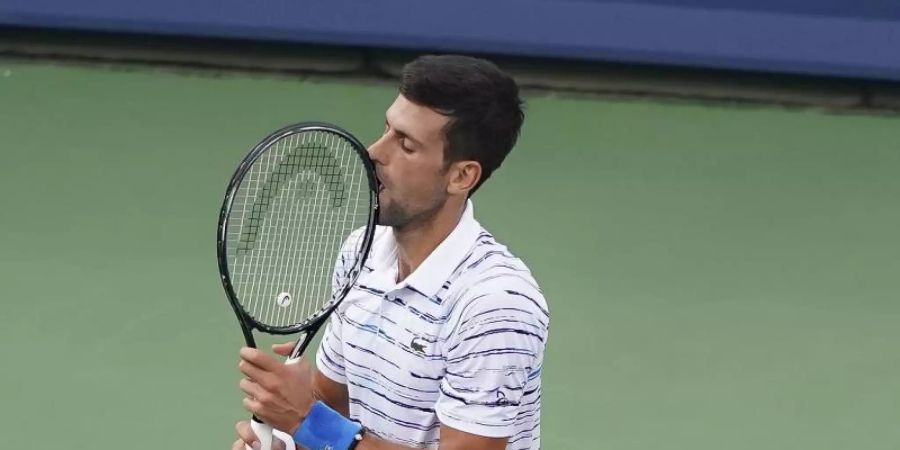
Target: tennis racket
[{"x": 304, "y": 198}]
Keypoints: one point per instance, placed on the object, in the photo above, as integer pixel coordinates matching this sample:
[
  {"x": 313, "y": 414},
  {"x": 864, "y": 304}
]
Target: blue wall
[
  {"x": 825, "y": 37},
  {"x": 871, "y": 9}
]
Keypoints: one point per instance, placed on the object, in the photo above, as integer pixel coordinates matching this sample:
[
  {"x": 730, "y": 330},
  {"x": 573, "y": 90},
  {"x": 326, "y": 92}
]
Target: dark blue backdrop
[{"x": 850, "y": 38}]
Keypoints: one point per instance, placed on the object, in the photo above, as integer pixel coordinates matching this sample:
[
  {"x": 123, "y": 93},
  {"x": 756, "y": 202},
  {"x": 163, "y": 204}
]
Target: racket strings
[
  {"x": 302, "y": 158},
  {"x": 293, "y": 213}
]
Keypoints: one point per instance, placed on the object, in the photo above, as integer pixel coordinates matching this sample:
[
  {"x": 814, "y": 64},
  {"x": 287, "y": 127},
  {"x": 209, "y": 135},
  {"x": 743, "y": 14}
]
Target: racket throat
[
  {"x": 302, "y": 342},
  {"x": 247, "y": 331}
]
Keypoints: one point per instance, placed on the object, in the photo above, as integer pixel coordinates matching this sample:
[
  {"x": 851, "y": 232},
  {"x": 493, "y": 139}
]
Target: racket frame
[{"x": 310, "y": 326}]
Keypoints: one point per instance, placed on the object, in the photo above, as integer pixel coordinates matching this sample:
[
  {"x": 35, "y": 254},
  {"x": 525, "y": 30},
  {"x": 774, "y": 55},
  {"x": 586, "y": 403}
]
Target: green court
[{"x": 719, "y": 277}]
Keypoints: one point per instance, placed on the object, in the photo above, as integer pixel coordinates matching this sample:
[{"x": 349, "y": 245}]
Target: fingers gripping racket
[{"x": 304, "y": 198}]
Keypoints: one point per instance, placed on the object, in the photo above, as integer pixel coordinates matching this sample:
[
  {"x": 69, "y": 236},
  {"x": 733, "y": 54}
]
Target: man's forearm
[
  {"x": 337, "y": 397},
  {"x": 333, "y": 394}
]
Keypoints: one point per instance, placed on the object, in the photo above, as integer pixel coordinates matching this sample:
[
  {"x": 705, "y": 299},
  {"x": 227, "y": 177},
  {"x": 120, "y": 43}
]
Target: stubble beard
[{"x": 400, "y": 216}]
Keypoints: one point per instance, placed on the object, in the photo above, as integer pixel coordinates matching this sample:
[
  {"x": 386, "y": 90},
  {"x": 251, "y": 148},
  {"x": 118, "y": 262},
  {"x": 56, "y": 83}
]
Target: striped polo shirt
[{"x": 459, "y": 342}]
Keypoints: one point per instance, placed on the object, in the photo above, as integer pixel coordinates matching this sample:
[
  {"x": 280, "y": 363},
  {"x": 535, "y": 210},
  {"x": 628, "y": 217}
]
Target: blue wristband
[{"x": 325, "y": 429}]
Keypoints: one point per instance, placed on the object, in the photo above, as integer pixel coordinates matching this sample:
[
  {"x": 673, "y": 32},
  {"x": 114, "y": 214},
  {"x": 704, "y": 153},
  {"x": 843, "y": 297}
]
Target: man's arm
[
  {"x": 451, "y": 439},
  {"x": 332, "y": 393},
  {"x": 285, "y": 404}
]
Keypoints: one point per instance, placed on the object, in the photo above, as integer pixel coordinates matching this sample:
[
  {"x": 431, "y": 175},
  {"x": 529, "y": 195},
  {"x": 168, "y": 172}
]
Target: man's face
[{"x": 409, "y": 161}]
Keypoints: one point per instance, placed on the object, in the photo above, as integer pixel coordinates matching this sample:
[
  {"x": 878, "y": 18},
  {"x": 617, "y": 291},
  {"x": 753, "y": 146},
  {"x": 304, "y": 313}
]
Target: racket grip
[{"x": 263, "y": 435}]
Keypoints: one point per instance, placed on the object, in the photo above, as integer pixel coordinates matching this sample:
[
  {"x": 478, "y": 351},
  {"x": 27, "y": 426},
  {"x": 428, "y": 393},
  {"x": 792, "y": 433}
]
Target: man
[{"x": 440, "y": 343}]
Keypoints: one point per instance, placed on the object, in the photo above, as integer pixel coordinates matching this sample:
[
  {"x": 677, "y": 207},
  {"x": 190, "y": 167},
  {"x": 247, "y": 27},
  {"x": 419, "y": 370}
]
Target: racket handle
[
  {"x": 263, "y": 435},
  {"x": 285, "y": 439}
]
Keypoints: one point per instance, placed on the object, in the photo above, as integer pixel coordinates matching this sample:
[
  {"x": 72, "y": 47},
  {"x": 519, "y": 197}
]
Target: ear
[{"x": 464, "y": 175}]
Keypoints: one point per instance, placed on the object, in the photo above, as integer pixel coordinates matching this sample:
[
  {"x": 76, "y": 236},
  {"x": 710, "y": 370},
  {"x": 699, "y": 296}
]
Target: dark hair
[{"x": 482, "y": 102}]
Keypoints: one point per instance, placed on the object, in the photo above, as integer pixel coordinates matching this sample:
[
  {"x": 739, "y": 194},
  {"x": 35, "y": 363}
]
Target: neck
[{"x": 417, "y": 240}]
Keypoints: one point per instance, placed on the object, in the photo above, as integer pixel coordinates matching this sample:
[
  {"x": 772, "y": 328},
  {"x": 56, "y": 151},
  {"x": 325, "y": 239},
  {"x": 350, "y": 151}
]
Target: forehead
[{"x": 417, "y": 121}]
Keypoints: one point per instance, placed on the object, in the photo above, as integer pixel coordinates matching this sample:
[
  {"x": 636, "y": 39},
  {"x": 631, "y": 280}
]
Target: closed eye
[{"x": 402, "y": 138}]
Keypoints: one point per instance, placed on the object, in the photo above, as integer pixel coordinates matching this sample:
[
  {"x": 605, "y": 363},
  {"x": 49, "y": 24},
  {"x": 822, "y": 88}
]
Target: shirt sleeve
[{"x": 492, "y": 353}]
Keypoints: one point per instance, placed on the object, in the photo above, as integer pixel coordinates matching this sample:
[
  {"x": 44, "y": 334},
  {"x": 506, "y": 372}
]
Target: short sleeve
[{"x": 494, "y": 350}]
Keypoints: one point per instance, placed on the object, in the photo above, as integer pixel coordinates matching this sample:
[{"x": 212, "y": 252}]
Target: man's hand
[
  {"x": 279, "y": 394},
  {"x": 247, "y": 438}
]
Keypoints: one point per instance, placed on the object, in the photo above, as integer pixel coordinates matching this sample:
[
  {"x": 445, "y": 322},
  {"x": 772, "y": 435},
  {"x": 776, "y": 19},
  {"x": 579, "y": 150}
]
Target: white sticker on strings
[{"x": 283, "y": 300}]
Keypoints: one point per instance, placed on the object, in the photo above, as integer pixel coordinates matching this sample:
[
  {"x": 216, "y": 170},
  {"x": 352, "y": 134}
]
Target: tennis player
[{"x": 441, "y": 341}]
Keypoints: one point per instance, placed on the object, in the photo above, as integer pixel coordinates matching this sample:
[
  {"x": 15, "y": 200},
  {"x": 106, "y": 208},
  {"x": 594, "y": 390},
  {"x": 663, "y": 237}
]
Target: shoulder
[{"x": 491, "y": 278}]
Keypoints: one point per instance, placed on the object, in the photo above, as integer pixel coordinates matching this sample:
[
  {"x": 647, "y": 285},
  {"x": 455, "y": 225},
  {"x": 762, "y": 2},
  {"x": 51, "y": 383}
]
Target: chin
[{"x": 388, "y": 217}]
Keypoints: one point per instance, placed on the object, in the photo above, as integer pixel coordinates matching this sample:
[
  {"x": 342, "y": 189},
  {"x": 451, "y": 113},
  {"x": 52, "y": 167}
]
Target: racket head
[{"x": 303, "y": 196}]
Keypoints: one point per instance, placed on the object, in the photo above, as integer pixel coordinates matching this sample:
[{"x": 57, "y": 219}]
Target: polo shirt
[{"x": 459, "y": 342}]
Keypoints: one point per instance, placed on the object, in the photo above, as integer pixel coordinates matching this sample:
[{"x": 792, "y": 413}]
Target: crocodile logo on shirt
[{"x": 417, "y": 345}]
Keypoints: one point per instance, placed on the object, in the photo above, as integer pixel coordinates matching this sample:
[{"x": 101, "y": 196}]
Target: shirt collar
[{"x": 430, "y": 276}]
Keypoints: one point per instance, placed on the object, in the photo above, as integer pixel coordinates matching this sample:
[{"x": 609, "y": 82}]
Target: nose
[{"x": 377, "y": 150}]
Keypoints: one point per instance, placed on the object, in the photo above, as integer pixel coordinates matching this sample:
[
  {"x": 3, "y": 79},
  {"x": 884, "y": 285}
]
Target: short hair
[{"x": 481, "y": 100}]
